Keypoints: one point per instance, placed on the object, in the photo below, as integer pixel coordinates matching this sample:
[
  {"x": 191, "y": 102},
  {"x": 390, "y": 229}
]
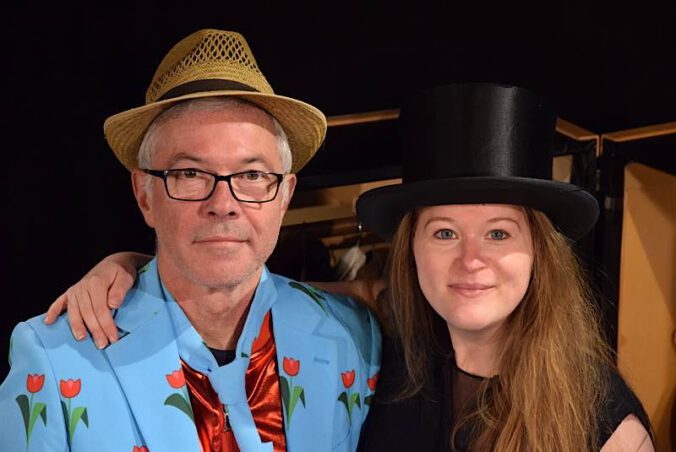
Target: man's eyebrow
[
  {"x": 185, "y": 156},
  {"x": 256, "y": 160},
  {"x": 253, "y": 160},
  {"x": 197, "y": 159}
]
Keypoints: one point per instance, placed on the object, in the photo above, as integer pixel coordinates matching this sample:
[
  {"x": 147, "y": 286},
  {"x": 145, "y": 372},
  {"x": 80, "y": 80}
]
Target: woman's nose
[{"x": 471, "y": 254}]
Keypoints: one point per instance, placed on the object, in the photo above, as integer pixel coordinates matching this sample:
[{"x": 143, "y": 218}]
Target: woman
[
  {"x": 495, "y": 343},
  {"x": 492, "y": 340}
]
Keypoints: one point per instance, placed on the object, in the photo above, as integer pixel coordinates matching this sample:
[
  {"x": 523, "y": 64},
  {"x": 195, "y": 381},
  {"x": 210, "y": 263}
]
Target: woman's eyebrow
[
  {"x": 491, "y": 220},
  {"x": 433, "y": 219},
  {"x": 498, "y": 219}
]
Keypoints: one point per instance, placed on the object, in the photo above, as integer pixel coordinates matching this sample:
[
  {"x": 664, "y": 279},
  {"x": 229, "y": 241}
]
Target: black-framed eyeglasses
[{"x": 191, "y": 184}]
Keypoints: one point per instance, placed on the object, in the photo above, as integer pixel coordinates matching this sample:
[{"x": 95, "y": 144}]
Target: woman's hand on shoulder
[{"x": 90, "y": 300}]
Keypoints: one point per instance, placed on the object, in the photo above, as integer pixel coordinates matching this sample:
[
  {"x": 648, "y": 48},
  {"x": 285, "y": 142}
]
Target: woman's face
[{"x": 474, "y": 263}]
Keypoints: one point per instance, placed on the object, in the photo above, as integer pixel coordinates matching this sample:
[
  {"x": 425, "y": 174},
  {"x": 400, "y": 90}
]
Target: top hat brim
[
  {"x": 572, "y": 210},
  {"x": 304, "y": 125}
]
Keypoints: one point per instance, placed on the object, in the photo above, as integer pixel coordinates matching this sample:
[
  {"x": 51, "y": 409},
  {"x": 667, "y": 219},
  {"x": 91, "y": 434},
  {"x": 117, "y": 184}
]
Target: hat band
[{"x": 197, "y": 86}]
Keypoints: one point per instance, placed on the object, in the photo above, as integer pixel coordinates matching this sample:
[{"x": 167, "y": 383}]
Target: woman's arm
[
  {"x": 630, "y": 435},
  {"x": 89, "y": 300}
]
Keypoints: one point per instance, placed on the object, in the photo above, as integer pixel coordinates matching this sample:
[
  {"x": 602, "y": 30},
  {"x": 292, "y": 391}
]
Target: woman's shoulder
[{"x": 618, "y": 402}]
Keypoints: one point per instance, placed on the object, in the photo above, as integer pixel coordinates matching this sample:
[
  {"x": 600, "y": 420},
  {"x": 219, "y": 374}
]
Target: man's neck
[{"x": 218, "y": 314}]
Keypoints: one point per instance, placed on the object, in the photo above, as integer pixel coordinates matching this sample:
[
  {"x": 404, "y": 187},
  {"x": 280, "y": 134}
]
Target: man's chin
[
  {"x": 226, "y": 249},
  {"x": 225, "y": 280},
  {"x": 226, "y": 271}
]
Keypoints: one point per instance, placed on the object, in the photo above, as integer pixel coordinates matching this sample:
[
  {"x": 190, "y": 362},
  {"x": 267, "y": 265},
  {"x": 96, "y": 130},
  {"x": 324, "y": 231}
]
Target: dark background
[{"x": 68, "y": 65}]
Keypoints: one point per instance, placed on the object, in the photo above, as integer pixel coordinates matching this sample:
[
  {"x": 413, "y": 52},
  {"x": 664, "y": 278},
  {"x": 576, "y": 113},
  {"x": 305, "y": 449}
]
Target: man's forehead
[{"x": 202, "y": 157}]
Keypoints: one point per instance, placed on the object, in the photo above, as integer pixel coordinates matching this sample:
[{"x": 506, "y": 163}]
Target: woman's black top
[{"x": 424, "y": 422}]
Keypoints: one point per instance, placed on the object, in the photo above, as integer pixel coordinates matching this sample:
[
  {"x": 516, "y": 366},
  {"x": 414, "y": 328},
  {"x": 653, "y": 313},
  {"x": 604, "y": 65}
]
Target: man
[{"x": 215, "y": 353}]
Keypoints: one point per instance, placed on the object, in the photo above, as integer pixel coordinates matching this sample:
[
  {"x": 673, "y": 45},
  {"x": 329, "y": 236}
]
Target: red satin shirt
[{"x": 262, "y": 389}]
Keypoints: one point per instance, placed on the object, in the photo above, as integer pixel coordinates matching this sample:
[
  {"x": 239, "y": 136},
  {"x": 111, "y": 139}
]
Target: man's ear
[
  {"x": 290, "y": 181},
  {"x": 138, "y": 182}
]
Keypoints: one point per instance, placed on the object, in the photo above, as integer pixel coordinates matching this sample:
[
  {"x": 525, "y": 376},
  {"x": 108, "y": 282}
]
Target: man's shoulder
[
  {"x": 322, "y": 302},
  {"x": 56, "y": 337},
  {"x": 60, "y": 329},
  {"x": 33, "y": 343},
  {"x": 338, "y": 314}
]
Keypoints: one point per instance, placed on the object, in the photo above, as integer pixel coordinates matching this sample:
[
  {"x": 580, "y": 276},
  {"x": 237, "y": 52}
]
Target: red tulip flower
[
  {"x": 35, "y": 382},
  {"x": 176, "y": 379},
  {"x": 140, "y": 449},
  {"x": 373, "y": 381},
  {"x": 70, "y": 388},
  {"x": 291, "y": 366},
  {"x": 348, "y": 378}
]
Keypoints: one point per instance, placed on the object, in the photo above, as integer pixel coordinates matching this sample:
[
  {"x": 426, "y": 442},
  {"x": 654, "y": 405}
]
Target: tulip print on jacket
[
  {"x": 69, "y": 390},
  {"x": 31, "y": 411},
  {"x": 290, "y": 394},
  {"x": 372, "y": 383},
  {"x": 180, "y": 399},
  {"x": 349, "y": 400}
]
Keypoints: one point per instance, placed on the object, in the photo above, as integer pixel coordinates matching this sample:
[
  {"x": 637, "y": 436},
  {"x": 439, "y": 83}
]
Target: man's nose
[{"x": 222, "y": 202}]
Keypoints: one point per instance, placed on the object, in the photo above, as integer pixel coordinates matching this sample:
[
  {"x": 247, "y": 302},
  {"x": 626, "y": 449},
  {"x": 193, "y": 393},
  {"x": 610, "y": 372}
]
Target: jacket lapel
[
  {"x": 142, "y": 360},
  {"x": 301, "y": 335}
]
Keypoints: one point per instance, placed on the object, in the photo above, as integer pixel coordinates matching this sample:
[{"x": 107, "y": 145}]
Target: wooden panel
[
  {"x": 647, "y": 306},
  {"x": 328, "y": 203},
  {"x": 639, "y": 133}
]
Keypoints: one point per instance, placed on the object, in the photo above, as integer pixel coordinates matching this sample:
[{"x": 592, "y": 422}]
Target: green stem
[
  {"x": 291, "y": 404},
  {"x": 70, "y": 422},
  {"x": 30, "y": 413},
  {"x": 349, "y": 406}
]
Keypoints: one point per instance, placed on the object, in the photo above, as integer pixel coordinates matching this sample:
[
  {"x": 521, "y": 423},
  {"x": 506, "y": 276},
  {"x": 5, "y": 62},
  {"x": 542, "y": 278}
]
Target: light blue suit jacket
[{"x": 62, "y": 394}]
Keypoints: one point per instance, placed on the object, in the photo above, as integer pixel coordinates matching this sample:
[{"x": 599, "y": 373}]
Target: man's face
[{"x": 218, "y": 243}]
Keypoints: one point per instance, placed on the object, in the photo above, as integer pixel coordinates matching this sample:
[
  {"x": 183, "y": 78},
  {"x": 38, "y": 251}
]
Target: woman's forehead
[{"x": 462, "y": 212}]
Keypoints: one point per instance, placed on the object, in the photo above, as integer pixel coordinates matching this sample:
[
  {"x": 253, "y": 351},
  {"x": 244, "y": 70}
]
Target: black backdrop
[{"x": 68, "y": 65}]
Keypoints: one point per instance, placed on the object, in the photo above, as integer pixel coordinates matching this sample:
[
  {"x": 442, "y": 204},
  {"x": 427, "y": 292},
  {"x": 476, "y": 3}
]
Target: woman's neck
[{"x": 476, "y": 352}]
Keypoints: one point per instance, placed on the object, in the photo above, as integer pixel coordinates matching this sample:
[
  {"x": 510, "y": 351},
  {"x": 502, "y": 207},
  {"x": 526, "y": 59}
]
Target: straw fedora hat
[
  {"x": 214, "y": 63},
  {"x": 478, "y": 143}
]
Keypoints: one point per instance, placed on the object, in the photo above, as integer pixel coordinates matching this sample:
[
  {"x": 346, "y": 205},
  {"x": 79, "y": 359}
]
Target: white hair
[{"x": 208, "y": 105}]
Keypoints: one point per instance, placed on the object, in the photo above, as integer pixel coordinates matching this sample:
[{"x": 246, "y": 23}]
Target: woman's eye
[
  {"x": 498, "y": 235},
  {"x": 188, "y": 173},
  {"x": 444, "y": 234}
]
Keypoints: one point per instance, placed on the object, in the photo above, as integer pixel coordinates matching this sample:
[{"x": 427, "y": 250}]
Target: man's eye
[
  {"x": 444, "y": 234},
  {"x": 498, "y": 235},
  {"x": 252, "y": 176},
  {"x": 188, "y": 174}
]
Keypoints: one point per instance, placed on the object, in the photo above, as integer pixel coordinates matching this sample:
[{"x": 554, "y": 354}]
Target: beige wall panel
[{"x": 647, "y": 306}]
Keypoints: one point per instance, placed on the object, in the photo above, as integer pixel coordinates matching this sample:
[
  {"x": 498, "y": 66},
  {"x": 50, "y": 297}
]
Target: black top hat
[{"x": 478, "y": 143}]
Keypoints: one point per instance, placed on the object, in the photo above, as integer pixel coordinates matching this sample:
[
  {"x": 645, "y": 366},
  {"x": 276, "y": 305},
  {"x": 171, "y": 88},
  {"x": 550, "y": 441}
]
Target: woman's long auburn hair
[{"x": 553, "y": 360}]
